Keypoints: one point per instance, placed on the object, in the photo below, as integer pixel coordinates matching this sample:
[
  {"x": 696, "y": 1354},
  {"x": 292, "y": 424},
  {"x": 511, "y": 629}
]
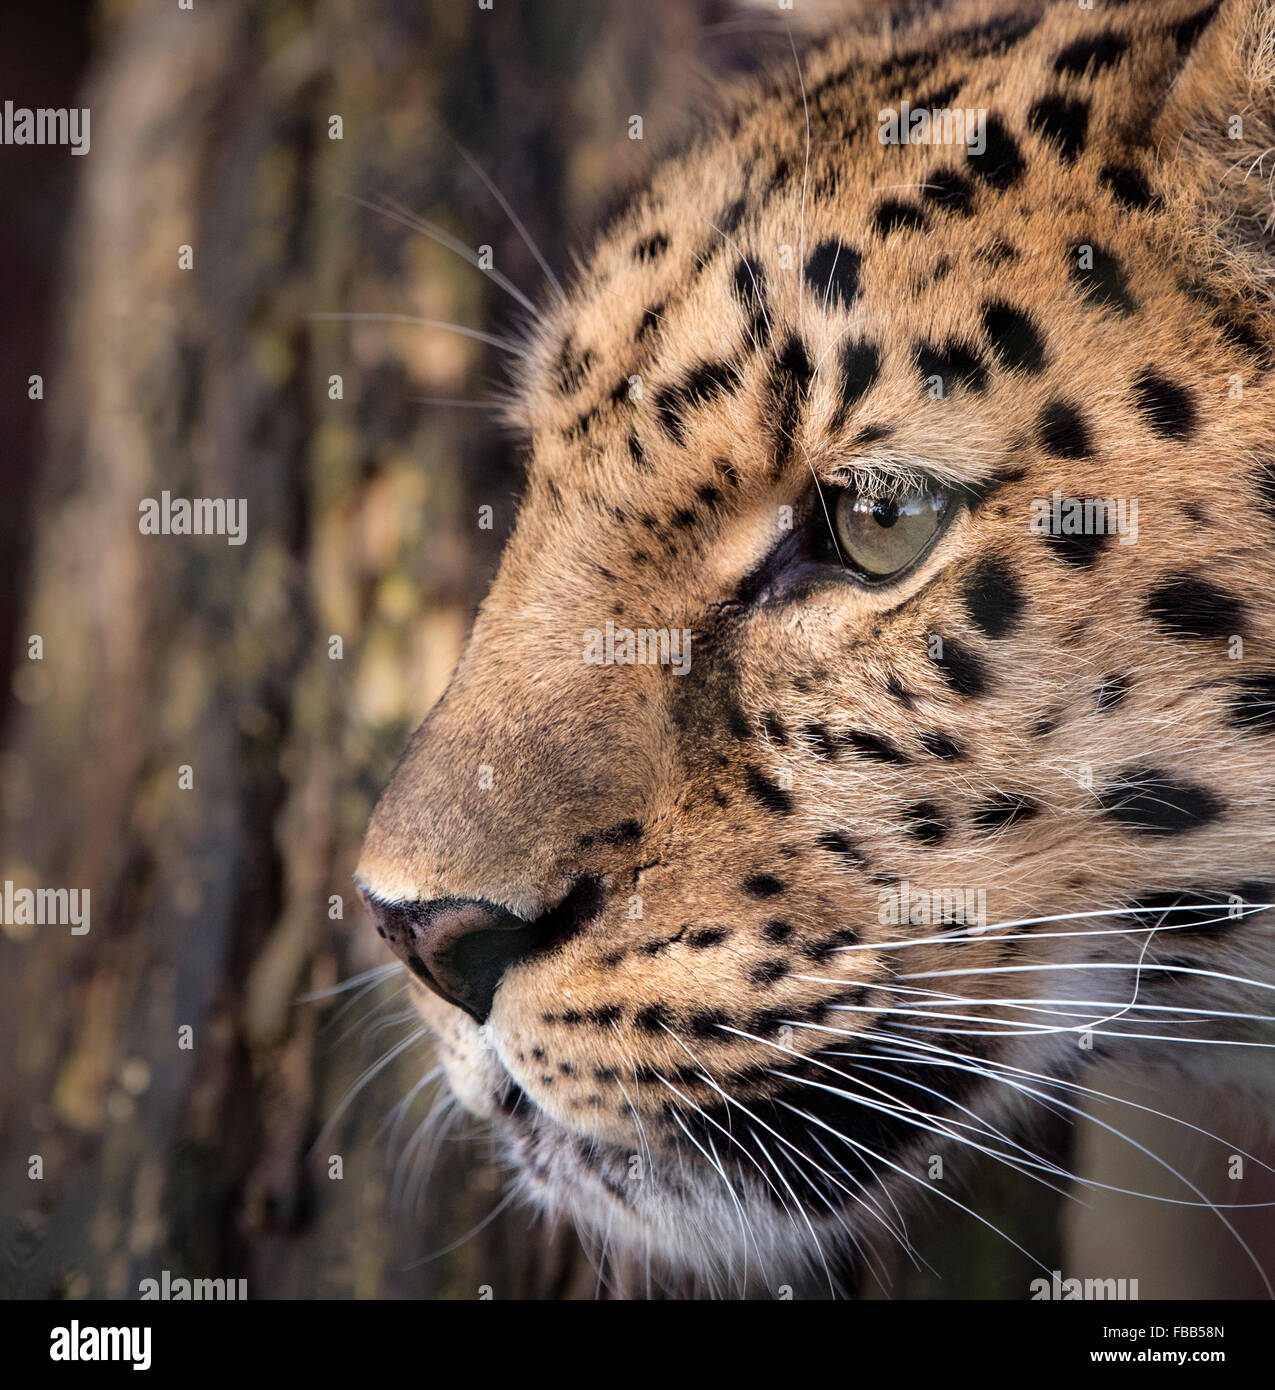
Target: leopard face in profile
[{"x": 873, "y": 718}]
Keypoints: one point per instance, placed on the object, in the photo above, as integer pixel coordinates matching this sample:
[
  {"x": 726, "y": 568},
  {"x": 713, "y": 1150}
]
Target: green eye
[{"x": 881, "y": 536}]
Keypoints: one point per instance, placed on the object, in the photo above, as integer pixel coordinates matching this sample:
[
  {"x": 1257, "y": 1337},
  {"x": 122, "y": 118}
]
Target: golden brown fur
[{"x": 655, "y": 503}]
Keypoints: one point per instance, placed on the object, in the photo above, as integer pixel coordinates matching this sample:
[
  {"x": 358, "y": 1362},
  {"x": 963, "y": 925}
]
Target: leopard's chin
[
  {"x": 676, "y": 1213},
  {"x": 627, "y": 1204}
]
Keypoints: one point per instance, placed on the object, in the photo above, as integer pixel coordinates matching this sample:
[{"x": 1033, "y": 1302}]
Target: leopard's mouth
[
  {"x": 608, "y": 1190},
  {"x": 546, "y": 1151}
]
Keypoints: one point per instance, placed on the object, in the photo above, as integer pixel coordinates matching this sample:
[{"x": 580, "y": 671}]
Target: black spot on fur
[
  {"x": 774, "y": 727},
  {"x": 832, "y": 270},
  {"x": 825, "y": 742},
  {"x": 655, "y": 1018},
  {"x": 994, "y": 37},
  {"x": 573, "y": 367},
  {"x": 763, "y": 886},
  {"x": 650, "y": 248},
  {"x": 1014, "y": 338},
  {"x": 860, "y": 367},
  {"x": 896, "y": 215},
  {"x": 707, "y": 937},
  {"x": 896, "y": 690},
  {"x": 994, "y": 598},
  {"x": 627, "y": 832},
  {"x": 769, "y": 972},
  {"x": 766, "y": 1023},
  {"x": 938, "y": 745},
  {"x": 1111, "y": 692},
  {"x": 750, "y": 287},
  {"x": 823, "y": 951},
  {"x": 1192, "y": 27},
  {"x": 581, "y": 425},
  {"x": 836, "y": 843},
  {"x": 997, "y": 252},
  {"x": 1063, "y": 121},
  {"x": 737, "y": 722},
  {"x": 925, "y": 822},
  {"x": 1208, "y": 909},
  {"x": 961, "y": 668},
  {"x": 1252, "y": 706},
  {"x": 1062, "y": 431},
  {"x": 789, "y": 384},
  {"x": 1185, "y": 605},
  {"x": 782, "y": 173},
  {"x": 1083, "y": 550},
  {"x": 954, "y": 363},
  {"x": 707, "y": 1023},
  {"x": 1241, "y": 332},
  {"x": 949, "y": 190},
  {"x": 1103, "y": 282},
  {"x": 1099, "y": 50},
  {"x": 658, "y": 945},
  {"x": 1128, "y": 187},
  {"x": 776, "y": 930},
  {"x": 651, "y": 320},
  {"x": 937, "y": 98},
  {"x": 1150, "y": 802},
  {"x": 1167, "y": 406},
  {"x": 872, "y": 746},
  {"x": 1000, "y": 164},
  {"x": 703, "y": 384},
  {"x": 1004, "y": 809}
]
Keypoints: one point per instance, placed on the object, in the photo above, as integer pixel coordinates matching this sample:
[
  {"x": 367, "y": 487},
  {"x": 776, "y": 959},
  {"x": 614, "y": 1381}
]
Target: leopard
[{"x": 871, "y": 723}]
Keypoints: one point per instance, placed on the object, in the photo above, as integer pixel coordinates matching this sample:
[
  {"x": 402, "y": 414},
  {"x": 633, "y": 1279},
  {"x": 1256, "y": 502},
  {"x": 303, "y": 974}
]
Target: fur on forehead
[{"x": 706, "y": 281}]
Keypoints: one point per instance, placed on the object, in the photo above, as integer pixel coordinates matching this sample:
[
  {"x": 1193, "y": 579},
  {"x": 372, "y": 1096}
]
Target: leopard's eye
[{"x": 881, "y": 536}]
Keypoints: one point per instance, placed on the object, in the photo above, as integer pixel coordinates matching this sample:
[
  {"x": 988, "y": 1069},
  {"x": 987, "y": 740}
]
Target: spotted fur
[{"x": 695, "y": 865}]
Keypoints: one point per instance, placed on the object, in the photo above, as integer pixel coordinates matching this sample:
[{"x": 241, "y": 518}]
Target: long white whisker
[
  {"x": 1085, "y": 966},
  {"x": 491, "y": 339},
  {"x": 469, "y": 1234},
  {"x": 366, "y": 977},
  {"x": 377, "y": 1067},
  {"x": 394, "y": 211},
  {"x": 1163, "y": 1163},
  {"x": 513, "y": 217},
  {"x": 975, "y": 933}
]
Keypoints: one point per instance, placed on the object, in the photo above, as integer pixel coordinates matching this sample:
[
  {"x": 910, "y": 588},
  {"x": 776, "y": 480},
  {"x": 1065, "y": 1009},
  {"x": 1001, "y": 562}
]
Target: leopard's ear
[{"x": 1216, "y": 129}]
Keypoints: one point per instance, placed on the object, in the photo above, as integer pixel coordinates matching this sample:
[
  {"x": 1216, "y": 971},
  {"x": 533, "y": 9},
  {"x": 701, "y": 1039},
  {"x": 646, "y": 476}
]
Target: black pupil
[{"x": 885, "y": 512}]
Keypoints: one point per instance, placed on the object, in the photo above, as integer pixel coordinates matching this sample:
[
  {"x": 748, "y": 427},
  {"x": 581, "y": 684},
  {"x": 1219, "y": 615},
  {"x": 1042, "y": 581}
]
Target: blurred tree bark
[{"x": 215, "y": 907}]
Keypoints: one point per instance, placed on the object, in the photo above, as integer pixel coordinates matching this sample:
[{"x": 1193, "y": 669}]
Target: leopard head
[{"x": 873, "y": 718}]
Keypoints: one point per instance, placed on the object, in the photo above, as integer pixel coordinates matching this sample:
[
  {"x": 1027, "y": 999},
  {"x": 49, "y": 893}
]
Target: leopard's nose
[{"x": 461, "y": 948}]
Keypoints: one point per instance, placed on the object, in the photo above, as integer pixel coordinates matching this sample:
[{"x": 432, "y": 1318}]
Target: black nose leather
[{"x": 462, "y": 947}]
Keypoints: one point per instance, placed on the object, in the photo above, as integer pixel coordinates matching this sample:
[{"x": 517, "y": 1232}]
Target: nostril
[{"x": 461, "y": 948}]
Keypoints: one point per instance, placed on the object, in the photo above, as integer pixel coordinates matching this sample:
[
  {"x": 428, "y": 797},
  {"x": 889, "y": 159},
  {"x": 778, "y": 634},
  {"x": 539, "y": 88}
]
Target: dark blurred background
[{"x": 227, "y": 907}]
